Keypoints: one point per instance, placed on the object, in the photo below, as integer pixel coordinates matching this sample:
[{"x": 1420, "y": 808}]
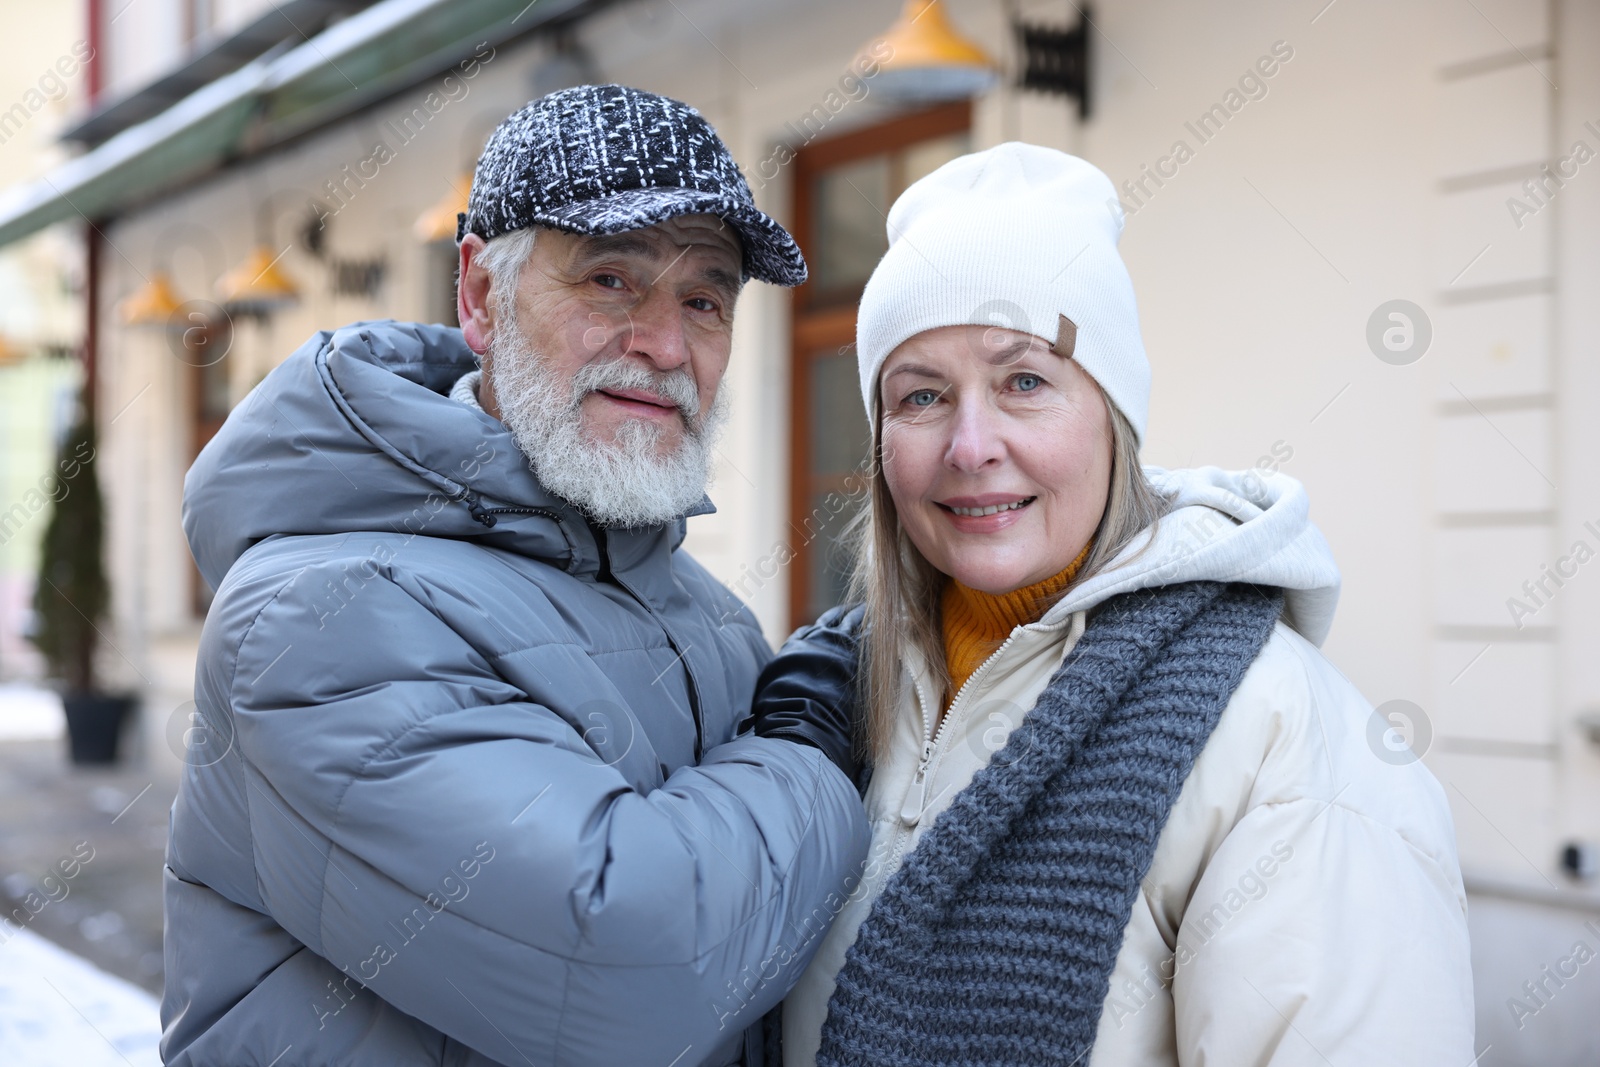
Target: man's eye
[
  {"x": 700, "y": 303},
  {"x": 610, "y": 281}
]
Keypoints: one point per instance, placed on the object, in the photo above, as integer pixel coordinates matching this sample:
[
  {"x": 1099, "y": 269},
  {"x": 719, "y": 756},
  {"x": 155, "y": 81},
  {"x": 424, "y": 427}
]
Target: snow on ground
[
  {"x": 28, "y": 713},
  {"x": 57, "y": 1010}
]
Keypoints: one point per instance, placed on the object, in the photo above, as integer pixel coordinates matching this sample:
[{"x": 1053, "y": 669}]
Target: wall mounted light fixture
[
  {"x": 198, "y": 332},
  {"x": 929, "y": 59},
  {"x": 153, "y": 304},
  {"x": 258, "y": 286},
  {"x": 1056, "y": 60}
]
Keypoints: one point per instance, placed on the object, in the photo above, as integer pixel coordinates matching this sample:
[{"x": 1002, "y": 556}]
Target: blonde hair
[{"x": 902, "y": 590}]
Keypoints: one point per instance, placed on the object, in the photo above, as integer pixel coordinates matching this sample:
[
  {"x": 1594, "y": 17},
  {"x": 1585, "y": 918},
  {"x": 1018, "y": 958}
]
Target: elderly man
[{"x": 471, "y": 786}]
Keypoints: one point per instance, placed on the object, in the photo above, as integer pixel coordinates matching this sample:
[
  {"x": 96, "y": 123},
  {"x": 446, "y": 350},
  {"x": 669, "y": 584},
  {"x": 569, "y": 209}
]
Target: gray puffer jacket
[{"x": 467, "y": 789}]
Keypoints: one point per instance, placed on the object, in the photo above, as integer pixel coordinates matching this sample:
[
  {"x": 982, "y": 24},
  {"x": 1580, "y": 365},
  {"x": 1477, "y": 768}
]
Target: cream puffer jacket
[{"x": 1304, "y": 905}]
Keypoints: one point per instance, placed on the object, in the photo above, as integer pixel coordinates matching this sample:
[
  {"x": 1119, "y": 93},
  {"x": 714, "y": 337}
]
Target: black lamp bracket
[{"x": 1056, "y": 60}]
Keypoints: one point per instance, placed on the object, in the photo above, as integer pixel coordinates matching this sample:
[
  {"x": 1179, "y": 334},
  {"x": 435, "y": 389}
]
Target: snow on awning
[{"x": 383, "y": 50}]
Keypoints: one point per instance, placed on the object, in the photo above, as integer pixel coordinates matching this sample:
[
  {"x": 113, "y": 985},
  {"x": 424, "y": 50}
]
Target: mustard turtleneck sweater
[{"x": 975, "y": 624}]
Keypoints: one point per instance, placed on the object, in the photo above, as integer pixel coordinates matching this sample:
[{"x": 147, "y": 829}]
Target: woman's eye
[
  {"x": 1027, "y": 383},
  {"x": 922, "y": 397}
]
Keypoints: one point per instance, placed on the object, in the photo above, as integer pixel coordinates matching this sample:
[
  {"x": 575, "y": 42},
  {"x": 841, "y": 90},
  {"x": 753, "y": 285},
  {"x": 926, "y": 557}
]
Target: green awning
[{"x": 383, "y": 50}]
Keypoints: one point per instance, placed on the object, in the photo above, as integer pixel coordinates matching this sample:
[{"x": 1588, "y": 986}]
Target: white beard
[{"x": 626, "y": 482}]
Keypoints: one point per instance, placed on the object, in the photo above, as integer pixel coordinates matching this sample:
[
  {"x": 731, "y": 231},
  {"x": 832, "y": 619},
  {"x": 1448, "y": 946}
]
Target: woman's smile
[{"x": 989, "y": 513}]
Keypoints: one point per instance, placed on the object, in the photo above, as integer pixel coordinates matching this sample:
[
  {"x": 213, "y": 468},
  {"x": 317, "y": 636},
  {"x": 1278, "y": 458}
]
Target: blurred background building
[
  {"x": 1365, "y": 239},
  {"x": 41, "y": 308}
]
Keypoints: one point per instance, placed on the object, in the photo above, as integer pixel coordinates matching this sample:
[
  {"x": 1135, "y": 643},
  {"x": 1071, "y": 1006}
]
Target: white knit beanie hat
[{"x": 1013, "y": 236}]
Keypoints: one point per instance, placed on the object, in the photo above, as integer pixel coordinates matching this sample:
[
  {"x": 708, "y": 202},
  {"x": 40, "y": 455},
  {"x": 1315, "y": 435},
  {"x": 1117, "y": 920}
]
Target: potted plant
[{"x": 71, "y": 598}]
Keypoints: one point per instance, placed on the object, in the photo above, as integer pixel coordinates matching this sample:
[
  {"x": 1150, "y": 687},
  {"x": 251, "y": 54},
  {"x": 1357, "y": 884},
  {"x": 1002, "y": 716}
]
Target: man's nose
[
  {"x": 657, "y": 330},
  {"x": 975, "y": 438}
]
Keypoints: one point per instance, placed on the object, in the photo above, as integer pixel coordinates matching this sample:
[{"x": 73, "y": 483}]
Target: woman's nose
[{"x": 975, "y": 438}]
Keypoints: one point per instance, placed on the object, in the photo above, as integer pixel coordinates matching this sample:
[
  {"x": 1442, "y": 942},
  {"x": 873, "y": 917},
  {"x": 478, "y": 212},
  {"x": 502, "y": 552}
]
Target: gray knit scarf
[{"x": 994, "y": 942}]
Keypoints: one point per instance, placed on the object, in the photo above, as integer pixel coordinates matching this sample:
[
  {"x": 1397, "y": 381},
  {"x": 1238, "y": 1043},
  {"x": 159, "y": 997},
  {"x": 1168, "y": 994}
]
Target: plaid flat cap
[{"x": 597, "y": 159}]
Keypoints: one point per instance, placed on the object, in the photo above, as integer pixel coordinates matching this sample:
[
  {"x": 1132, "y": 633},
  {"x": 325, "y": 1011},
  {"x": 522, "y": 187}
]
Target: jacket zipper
[
  {"x": 485, "y": 517},
  {"x": 930, "y": 748},
  {"x": 673, "y": 640}
]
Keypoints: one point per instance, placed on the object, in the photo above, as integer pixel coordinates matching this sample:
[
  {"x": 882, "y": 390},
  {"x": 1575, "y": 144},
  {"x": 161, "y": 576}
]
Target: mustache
[{"x": 676, "y": 387}]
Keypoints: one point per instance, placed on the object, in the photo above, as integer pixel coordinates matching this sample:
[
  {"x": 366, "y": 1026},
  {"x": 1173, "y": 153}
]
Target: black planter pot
[{"x": 94, "y": 725}]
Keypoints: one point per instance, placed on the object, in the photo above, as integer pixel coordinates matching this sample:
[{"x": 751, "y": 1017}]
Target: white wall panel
[
  {"x": 1492, "y": 347},
  {"x": 1480, "y": 244},
  {"x": 1494, "y": 461},
  {"x": 1494, "y": 120},
  {"x": 1494, "y": 691},
  {"x": 1477, "y": 571}
]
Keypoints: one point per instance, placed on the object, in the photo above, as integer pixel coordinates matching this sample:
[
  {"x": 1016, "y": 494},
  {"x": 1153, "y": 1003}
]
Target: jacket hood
[
  {"x": 355, "y": 432},
  {"x": 1227, "y": 526}
]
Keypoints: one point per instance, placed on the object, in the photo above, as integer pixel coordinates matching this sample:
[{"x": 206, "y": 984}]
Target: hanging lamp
[
  {"x": 256, "y": 286},
  {"x": 152, "y": 304},
  {"x": 929, "y": 60}
]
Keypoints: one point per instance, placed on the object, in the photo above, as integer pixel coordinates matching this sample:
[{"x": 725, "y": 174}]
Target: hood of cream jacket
[
  {"x": 1227, "y": 526},
  {"x": 1304, "y": 904}
]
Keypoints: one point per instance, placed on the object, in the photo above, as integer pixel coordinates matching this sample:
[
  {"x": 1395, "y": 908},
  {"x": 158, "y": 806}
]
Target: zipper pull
[
  {"x": 916, "y": 795},
  {"x": 911, "y": 810},
  {"x": 475, "y": 508}
]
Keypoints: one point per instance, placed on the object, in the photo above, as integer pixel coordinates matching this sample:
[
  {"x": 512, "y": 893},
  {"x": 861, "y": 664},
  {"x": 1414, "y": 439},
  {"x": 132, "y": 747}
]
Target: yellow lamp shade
[
  {"x": 257, "y": 285},
  {"x": 152, "y": 304},
  {"x": 438, "y": 223},
  {"x": 927, "y": 58}
]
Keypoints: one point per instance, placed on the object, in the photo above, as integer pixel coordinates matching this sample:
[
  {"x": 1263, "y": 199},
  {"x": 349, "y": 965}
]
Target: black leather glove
[{"x": 808, "y": 692}]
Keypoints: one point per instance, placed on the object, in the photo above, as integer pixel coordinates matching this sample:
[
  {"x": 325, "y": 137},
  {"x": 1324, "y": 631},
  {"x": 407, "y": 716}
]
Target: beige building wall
[{"x": 1373, "y": 165}]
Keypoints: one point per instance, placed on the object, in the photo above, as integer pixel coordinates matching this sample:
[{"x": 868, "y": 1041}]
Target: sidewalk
[
  {"x": 81, "y": 849},
  {"x": 57, "y": 1010}
]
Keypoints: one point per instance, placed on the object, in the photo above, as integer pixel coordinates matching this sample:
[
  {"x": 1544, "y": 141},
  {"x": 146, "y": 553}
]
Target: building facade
[{"x": 41, "y": 312}]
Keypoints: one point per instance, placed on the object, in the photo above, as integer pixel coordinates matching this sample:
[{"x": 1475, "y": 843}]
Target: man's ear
[{"x": 472, "y": 296}]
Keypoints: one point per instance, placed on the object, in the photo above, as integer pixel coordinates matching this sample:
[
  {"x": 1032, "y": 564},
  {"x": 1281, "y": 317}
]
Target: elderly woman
[{"x": 1123, "y": 810}]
